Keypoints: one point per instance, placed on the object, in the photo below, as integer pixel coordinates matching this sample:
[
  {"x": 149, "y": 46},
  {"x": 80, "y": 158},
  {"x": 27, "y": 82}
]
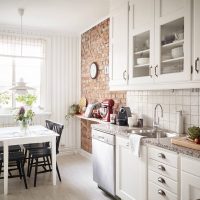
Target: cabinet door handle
[
  {"x": 156, "y": 71},
  {"x": 150, "y": 68},
  {"x": 196, "y": 65},
  {"x": 161, "y": 180},
  {"x": 161, "y": 155},
  {"x": 161, "y": 192},
  {"x": 160, "y": 167},
  {"x": 124, "y": 75}
]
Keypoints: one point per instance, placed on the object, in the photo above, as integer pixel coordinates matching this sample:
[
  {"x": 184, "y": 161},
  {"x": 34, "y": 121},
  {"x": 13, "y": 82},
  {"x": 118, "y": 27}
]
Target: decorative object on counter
[
  {"x": 123, "y": 115},
  {"x": 106, "y": 109},
  {"x": 179, "y": 122},
  {"x": 82, "y": 105},
  {"x": 113, "y": 118},
  {"x": 73, "y": 110},
  {"x": 132, "y": 121},
  {"x": 140, "y": 121},
  {"x": 24, "y": 118},
  {"x": 89, "y": 110},
  {"x": 93, "y": 70}
]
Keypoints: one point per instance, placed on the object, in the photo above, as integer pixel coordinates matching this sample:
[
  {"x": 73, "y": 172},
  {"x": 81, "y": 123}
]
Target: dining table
[{"x": 34, "y": 134}]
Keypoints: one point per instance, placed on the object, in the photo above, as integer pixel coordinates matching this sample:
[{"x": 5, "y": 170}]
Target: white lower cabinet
[
  {"x": 190, "y": 179},
  {"x": 131, "y": 171},
  {"x": 162, "y": 174}
]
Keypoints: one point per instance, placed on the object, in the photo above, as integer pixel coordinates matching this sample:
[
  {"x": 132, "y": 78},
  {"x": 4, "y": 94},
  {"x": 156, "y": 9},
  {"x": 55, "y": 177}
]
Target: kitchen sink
[{"x": 152, "y": 133}]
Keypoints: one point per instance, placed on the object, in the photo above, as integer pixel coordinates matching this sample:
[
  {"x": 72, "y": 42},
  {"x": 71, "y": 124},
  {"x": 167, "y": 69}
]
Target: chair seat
[
  {"x": 40, "y": 152},
  {"x": 34, "y": 146},
  {"x": 14, "y": 156},
  {"x": 11, "y": 148}
]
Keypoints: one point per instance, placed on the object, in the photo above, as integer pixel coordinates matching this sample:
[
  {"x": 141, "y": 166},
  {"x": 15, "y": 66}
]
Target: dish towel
[{"x": 134, "y": 141}]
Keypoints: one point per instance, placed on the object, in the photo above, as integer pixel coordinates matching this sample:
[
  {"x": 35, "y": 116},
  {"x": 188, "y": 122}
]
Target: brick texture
[{"x": 95, "y": 48}]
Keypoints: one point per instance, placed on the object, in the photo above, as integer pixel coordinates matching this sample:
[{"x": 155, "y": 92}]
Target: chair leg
[
  {"x": 19, "y": 169},
  {"x": 25, "y": 156},
  {"x": 23, "y": 174},
  {"x": 36, "y": 166},
  {"x": 29, "y": 161},
  {"x": 0, "y": 168},
  {"x": 30, "y": 167},
  {"x": 48, "y": 163},
  {"x": 58, "y": 171}
]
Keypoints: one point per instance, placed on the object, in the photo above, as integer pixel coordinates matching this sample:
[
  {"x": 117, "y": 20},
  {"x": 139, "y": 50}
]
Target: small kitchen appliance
[
  {"x": 124, "y": 113},
  {"x": 106, "y": 109}
]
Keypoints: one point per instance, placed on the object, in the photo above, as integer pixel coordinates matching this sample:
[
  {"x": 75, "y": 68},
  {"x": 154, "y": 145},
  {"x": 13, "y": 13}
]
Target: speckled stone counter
[{"x": 164, "y": 143}]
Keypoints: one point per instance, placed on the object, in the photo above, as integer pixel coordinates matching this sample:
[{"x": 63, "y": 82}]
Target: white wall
[{"x": 60, "y": 80}]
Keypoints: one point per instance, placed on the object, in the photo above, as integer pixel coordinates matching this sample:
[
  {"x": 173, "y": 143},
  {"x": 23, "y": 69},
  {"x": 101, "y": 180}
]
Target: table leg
[
  {"x": 5, "y": 153},
  {"x": 53, "y": 154}
]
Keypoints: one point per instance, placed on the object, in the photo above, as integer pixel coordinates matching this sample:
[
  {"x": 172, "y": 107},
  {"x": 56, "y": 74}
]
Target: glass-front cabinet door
[
  {"x": 172, "y": 40},
  {"x": 141, "y": 42}
]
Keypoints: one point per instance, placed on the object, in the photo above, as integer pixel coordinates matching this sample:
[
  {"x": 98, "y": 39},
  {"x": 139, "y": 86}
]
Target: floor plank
[{"x": 77, "y": 183}]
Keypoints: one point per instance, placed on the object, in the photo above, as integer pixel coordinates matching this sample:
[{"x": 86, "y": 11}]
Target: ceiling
[{"x": 72, "y": 16}]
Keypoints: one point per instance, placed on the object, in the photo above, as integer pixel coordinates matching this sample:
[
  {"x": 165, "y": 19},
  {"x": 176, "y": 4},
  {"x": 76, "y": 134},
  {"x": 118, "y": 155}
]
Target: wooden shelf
[
  {"x": 173, "y": 44},
  {"x": 143, "y": 65},
  {"x": 91, "y": 119},
  {"x": 146, "y": 51},
  {"x": 173, "y": 60}
]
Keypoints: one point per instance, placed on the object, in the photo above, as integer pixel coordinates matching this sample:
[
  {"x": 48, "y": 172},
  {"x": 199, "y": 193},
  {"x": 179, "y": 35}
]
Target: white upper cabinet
[
  {"x": 118, "y": 62},
  {"x": 196, "y": 40},
  {"x": 172, "y": 40},
  {"x": 141, "y": 41}
]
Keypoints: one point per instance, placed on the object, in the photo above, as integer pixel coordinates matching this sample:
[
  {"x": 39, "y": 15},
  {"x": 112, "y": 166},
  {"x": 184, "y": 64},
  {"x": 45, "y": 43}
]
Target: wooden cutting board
[{"x": 184, "y": 142}]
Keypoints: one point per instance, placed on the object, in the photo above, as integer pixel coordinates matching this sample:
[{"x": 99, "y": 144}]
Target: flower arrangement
[{"x": 24, "y": 117}]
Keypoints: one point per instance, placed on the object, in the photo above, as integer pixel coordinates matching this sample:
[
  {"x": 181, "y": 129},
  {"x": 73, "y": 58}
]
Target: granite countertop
[{"x": 164, "y": 143}]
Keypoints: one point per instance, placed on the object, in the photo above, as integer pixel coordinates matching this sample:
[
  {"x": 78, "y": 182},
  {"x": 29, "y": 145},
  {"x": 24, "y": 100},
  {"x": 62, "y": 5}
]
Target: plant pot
[{"x": 24, "y": 126}]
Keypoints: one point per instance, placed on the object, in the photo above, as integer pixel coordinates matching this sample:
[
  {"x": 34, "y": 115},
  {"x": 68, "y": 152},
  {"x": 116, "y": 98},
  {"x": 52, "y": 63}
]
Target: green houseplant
[
  {"x": 4, "y": 98},
  {"x": 27, "y": 99}
]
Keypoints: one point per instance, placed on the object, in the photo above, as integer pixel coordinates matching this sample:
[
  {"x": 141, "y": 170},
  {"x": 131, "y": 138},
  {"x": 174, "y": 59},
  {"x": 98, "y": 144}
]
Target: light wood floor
[{"x": 77, "y": 183}]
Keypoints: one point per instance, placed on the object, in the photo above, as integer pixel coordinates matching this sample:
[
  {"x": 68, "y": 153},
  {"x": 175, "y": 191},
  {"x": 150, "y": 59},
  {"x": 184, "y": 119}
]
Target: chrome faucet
[{"x": 156, "y": 122}]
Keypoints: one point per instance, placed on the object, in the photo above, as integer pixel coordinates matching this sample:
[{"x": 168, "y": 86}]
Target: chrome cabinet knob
[
  {"x": 161, "y": 192},
  {"x": 160, "y": 167},
  {"x": 161, "y": 155},
  {"x": 161, "y": 180}
]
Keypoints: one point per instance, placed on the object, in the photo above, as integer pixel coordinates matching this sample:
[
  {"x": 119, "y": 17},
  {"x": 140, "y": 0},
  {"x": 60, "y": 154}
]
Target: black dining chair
[
  {"x": 16, "y": 159},
  {"x": 32, "y": 146},
  {"x": 45, "y": 155}
]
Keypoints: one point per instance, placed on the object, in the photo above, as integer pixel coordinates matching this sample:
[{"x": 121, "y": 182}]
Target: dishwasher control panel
[{"x": 104, "y": 137}]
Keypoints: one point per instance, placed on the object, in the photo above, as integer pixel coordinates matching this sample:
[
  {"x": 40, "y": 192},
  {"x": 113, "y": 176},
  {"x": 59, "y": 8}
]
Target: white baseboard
[
  {"x": 85, "y": 154},
  {"x": 68, "y": 151}
]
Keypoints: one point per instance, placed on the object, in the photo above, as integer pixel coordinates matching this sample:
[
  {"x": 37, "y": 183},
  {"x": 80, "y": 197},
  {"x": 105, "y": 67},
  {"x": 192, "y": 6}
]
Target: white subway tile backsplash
[{"x": 187, "y": 100}]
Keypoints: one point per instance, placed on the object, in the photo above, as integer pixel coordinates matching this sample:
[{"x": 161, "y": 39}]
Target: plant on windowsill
[
  {"x": 4, "y": 98},
  {"x": 73, "y": 110},
  {"x": 24, "y": 118},
  {"x": 27, "y": 99}
]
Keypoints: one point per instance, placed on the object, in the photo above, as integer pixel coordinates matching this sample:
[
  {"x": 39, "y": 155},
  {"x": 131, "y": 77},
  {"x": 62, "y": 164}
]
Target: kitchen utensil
[
  {"x": 123, "y": 115},
  {"x": 113, "y": 118},
  {"x": 106, "y": 109},
  {"x": 141, "y": 61},
  {"x": 177, "y": 52},
  {"x": 179, "y": 36}
]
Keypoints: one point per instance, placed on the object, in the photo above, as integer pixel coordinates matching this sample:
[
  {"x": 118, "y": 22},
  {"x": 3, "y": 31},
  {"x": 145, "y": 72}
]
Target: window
[{"x": 16, "y": 64}]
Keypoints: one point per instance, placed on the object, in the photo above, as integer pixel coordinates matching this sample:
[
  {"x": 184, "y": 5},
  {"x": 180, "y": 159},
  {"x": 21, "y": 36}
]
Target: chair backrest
[{"x": 58, "y": 128}]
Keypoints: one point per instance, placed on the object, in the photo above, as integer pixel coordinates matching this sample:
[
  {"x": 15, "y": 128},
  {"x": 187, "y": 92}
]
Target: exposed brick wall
[{"x": 95, "y": 48}]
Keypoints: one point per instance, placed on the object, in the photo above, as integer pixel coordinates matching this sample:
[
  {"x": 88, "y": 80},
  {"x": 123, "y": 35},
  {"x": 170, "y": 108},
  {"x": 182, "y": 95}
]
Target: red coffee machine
[{"x": 106, "y": 109}]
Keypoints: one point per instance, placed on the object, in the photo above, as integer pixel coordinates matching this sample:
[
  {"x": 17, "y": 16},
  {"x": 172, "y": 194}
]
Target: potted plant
[{"x": 27, "y": 99}]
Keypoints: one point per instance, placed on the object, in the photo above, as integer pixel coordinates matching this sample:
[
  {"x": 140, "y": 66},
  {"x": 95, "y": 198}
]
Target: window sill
[{"x": 9, "y": 113}]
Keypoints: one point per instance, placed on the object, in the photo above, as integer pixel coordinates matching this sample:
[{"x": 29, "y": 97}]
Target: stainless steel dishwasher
[{"x": 103, "y": 153}]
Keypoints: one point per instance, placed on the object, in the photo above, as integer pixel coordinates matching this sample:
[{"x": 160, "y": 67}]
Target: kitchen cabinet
[
  {"x": 131, "y": 172},
  {"x": 162, "y": 174},
  {"x": 118, "y": 48},
  {"x": 196, "y": 40},
  {"x": 172, "y": 40},
  {"x": 141, "y": 41},
  {"x": 190, "y": 179}
]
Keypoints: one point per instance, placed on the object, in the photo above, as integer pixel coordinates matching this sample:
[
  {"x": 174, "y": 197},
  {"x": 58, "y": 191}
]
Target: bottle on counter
[
  {"x": 140, "y": 121},
  {"x": 179, "y": 122}
]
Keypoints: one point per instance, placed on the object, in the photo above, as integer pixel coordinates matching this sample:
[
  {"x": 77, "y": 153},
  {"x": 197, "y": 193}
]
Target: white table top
[{"x": 10, "y": 133}]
